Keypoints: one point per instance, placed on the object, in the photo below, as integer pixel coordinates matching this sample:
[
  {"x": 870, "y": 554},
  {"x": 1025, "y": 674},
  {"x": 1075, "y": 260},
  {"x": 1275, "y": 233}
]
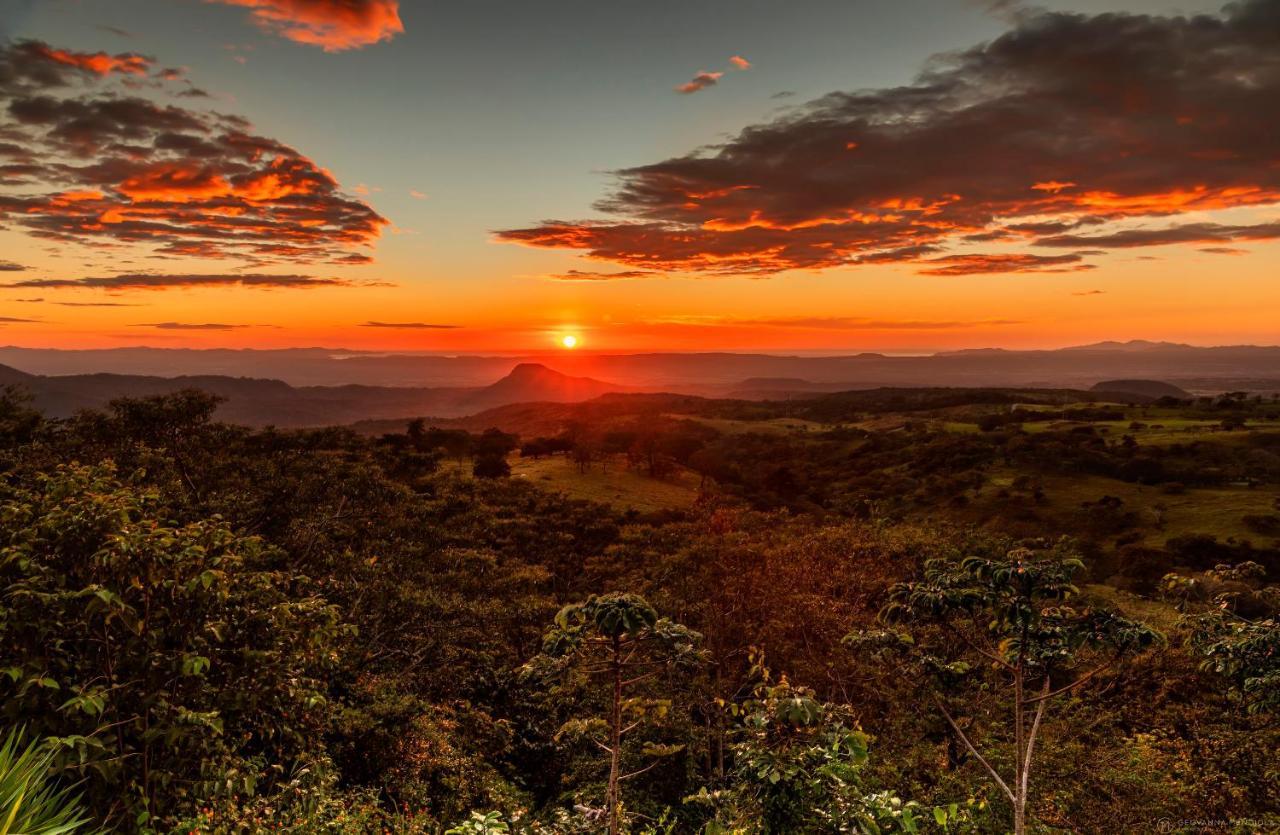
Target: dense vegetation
[{"x": 893, "y": 618}]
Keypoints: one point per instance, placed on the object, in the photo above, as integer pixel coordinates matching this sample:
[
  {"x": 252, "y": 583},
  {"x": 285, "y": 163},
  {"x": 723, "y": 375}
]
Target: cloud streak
[
  {"x": 588, "y": 275},
  {"x": 837, "y": 323},
  {"x": 1066, "y": 121},
  {"x": 408, "y": 325},
  {"x": 189, "y": 326},
  {"x": 1184, "y": 234},
  {"x": 153, "y": 281}
]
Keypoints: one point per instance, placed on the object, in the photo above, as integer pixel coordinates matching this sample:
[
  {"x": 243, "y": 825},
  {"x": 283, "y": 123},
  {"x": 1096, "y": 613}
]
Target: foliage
[
  {"x": 30, "y": 802},
  {"x": 172, "y": 663},
  {"x": 1010, "y": 614},
  {"x": 316, "y": 631},
  {"x": 1246, "y": 653},
  {"x": 798, "y": 767},
  {"x": 620, "y": 638}
]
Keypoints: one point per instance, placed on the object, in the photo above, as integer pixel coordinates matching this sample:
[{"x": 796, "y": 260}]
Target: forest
[{"x": 951, "y": 611}]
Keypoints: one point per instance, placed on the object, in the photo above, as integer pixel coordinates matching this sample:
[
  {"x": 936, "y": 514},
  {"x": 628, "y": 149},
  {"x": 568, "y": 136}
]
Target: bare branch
[
  {"x": 1072, "y": 685},
  {"x": 994, "y": 774},
  {"x": 974, "y": 646},
  {"x": 640, "y": 771},
  {"x": 639, "y": 679},
  {"x": 1031, "y": 738}
]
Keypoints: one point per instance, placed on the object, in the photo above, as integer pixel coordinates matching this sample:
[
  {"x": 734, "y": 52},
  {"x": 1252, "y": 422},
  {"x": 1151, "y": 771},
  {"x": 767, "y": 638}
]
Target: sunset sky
[{"x": 717, "y": 174}]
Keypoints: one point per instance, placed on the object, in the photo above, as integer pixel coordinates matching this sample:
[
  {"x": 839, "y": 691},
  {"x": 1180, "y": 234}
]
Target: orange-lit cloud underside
[
  {"x": 102, "y": 167},
  {"x": 1066, "y": 128},
  {"x": 334, "y": 25}
]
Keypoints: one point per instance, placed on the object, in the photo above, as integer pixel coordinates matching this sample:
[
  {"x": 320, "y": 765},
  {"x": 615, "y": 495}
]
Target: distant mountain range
[
  {"x": 1195, "y": 369},
  {"x": 474, "y": 384},
  {"x": 259, "y": 402}
]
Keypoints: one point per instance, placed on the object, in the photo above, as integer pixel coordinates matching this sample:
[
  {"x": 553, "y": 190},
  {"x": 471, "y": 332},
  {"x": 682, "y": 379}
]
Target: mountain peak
[
  {"x": 533, "y": 382},
  {"x": 532, "y": 369}
]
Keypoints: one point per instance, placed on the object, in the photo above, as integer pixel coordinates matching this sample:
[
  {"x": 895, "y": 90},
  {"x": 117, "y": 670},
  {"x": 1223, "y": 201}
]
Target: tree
[
  {"x": 584, "y": 452},
  {"x": 491, "y": 466},
  {"x": 798, "y": 767},
  {"x": 1011, "y": 616},
  {"x": 618, "y": 638},
  {"x": 1245, "y": 652},
  {"x": 18, "y": 421},
  {"x": 495, "y": 442}
]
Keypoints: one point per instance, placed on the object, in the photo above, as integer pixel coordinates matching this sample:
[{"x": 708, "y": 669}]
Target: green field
[
  {"x": 614, "y": 485},
  {"x": 773, "y": 426},
  {"x": 1155, "y": 430},
  {"x": 1219, "y": 512}
]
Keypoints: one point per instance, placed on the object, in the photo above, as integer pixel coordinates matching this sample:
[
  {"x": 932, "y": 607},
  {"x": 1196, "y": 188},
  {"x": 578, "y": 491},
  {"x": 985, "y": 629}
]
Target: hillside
[
  {"x": 265, "y": 402},
  {"x": 535, "y": 382},
  {"x": 1148, "y": 389}
]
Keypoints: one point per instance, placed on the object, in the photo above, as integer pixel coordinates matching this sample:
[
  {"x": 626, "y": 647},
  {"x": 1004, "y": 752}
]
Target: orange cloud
[
  {"x": 100, "y": 168},
  {"x": 701, "y": 81},
  {"x": 739, "y": 62},
  {"x": 333, "y": 25},
  {"x": 98, "y": 63}
]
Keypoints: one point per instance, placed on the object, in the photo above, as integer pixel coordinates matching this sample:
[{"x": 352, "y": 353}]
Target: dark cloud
[
  {"x": 10, "y": 320},
  {"x": 701, "y": 81},
  {"x": 1186, "y": 233},
  {"x": 153, "y": 281},
  {"x": 408, "y": 325},
  {"x": 905, "y": 253},
  {"x": 587, "y": 275},
  {"x": 10, "y": 267},
  {"x": 99, "y": 166},
  {"x": 1066, "y": 120},
  {"x": 97, "y": 304},
  {"x": 188, "y": 326},
  {"x": 1089, "y": 293},
  {"x": 334, "y": 25},
  {"x": 860, "y": 323},
  {"x": 979, "y": 264}
]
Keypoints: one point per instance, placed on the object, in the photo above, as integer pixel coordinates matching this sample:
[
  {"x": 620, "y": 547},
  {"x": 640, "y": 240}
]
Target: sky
[{"x": 496, "y": 175}]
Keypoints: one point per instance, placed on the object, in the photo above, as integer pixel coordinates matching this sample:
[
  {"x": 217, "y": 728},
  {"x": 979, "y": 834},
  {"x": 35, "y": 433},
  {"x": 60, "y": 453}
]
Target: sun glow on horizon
[{"x": 569, "y": 340}]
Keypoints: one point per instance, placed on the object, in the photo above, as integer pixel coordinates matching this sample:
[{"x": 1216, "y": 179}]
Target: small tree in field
[
  {"x": 1011, "y": 617},
  {"x": 491, "y": 466},
  {"x": 619, "y": 639},
  {"x": 1245, "y": 652}
]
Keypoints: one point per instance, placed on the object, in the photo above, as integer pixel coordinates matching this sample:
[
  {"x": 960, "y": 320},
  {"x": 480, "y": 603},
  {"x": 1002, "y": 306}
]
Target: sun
[{"x": 569, "y": 340}]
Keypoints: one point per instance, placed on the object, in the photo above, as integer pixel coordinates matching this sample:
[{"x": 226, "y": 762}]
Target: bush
[{"x": 491, "y": 466}]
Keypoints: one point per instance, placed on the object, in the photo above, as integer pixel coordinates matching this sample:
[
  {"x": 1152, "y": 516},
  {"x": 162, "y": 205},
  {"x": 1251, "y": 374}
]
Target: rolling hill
[{"x": 263, "y": 402}]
